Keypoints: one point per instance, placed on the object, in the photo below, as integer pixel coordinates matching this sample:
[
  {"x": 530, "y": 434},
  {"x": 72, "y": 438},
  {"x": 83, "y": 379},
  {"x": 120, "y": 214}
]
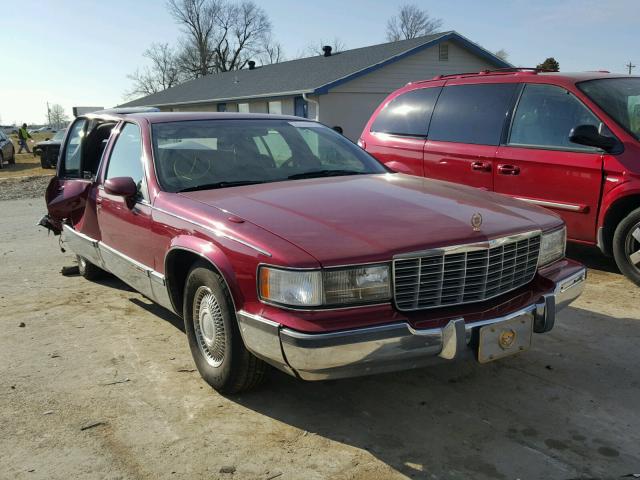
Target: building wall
[
  {"x": 420, "y": 66},
  {"x": 351, "y": 104}
]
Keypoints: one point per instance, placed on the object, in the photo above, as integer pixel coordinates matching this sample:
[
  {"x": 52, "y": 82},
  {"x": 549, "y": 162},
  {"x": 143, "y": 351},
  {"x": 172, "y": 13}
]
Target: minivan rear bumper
[{"x": 394, "y": 346}]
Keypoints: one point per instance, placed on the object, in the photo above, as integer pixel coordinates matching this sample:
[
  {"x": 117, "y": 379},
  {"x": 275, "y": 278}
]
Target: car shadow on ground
[
  {"x": 487, "y": 421},
  {"x": 160, "y": 312},
  {"x": 592, "y": 257}
]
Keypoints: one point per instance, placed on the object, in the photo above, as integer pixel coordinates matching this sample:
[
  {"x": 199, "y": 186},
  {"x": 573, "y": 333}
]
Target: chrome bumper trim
[{"x": 396, "y": 346}]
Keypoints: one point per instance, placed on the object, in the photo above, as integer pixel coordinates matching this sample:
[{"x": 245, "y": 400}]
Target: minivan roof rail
[{"x": 497, "y": 71}]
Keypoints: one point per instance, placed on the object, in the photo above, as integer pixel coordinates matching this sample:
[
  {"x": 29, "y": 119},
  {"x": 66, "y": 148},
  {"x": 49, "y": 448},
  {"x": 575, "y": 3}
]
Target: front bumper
[{"x": 395, "y": 346}]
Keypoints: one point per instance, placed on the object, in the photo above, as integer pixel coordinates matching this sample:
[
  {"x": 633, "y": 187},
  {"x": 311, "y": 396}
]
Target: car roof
[
  {"x": 163, "y": 117},
  {"x": 520, "y": 75}
]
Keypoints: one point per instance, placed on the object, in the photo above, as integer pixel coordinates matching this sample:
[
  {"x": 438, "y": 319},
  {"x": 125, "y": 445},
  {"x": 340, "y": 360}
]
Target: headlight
[
  {"x": 291, "y": 287},
  {"x": 552, "y": 246},
  {"x": 329, "y": 287}
]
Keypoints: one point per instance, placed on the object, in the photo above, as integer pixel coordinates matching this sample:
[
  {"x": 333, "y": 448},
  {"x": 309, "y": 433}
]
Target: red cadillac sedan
[{"x": 280, "y": 243}]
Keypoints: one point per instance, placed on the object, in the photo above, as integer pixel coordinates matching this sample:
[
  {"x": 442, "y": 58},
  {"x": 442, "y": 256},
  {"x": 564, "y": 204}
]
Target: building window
[
  {"x": 444, "y": 52},
  {"x": 222, "y": 107},
  {"x": 275, "y": 107},
  {"x": 243, "y": 107}
]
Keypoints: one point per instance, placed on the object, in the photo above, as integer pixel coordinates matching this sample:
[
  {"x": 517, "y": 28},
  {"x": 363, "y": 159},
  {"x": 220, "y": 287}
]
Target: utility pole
[
  {"x": 49, "y": 114},
  {"x": 630, "y": 66}
]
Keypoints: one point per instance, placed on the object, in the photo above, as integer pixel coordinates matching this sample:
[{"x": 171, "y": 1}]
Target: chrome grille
[{"x": 465, "y": 273}]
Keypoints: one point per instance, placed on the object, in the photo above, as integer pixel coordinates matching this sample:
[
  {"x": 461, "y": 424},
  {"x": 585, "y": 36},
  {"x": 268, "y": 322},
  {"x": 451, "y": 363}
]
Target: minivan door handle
[
  {"x": 508, "y": 170},
  {"x": 481, "y": 166}
]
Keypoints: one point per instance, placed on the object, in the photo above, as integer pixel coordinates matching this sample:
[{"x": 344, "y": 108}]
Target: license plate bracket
[{"x": 506, "y": 338}]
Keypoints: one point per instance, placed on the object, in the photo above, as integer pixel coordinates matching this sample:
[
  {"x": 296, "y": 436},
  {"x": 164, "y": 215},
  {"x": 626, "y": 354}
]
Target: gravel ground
[
  {"x": 27, "y": 187},
  {"x": 97, "y": 383}
]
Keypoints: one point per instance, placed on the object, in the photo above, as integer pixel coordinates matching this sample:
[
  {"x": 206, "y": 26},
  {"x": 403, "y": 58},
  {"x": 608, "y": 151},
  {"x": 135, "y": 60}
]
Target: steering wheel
[{"x": 191, "y": 168}]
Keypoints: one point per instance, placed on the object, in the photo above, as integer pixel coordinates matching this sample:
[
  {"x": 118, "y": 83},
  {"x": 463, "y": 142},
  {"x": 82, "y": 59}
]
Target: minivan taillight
[{"x": 362, "y": 144}]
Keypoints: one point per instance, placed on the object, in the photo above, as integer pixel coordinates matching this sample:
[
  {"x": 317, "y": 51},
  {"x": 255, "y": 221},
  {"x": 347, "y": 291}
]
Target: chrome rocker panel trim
[{"x": 385, "y": 348}]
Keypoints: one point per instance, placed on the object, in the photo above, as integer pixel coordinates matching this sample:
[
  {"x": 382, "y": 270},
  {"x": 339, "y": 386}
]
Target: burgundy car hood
[{"x": 349, "y": 219}]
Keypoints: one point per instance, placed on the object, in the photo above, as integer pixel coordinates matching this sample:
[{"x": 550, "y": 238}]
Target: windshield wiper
[
  {"x": 223, "y": 184},
  {"x": 324, "y": 173}
]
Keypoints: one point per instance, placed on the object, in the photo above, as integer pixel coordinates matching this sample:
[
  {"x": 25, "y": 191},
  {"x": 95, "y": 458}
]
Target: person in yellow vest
[{"x": 23, "y": 137}]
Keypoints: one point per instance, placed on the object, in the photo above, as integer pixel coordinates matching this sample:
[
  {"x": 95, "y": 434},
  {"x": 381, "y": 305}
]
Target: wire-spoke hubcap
[
  {"x": 632, "y": 246},
  {"x": 209, "y": 326}
]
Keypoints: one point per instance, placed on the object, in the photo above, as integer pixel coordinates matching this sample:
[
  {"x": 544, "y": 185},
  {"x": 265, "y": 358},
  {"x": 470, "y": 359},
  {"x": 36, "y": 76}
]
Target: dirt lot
[
  {"x": 26, "y": 163},
  {"x": 95, "y": 382}
]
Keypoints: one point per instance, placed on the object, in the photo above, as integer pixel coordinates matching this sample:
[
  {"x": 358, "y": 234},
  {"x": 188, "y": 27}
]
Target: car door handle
[
  {"x": 481, "y": 166},
  {"x": 508, "y": 170}
]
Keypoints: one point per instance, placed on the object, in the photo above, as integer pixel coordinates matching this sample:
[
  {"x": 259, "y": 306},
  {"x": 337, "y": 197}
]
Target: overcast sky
[{"x": 80, "y": 52}]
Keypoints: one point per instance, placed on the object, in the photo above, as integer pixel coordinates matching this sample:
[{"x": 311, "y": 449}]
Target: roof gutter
[{"x": 307, "y": 99}]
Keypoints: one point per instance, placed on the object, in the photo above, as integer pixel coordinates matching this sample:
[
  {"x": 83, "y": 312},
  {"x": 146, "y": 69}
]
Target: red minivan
[{"x": 568, "y": 142}]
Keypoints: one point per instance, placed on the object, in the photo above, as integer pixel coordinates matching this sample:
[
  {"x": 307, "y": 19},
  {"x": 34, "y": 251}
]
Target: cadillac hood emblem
[{"x": 476, "y": 222}]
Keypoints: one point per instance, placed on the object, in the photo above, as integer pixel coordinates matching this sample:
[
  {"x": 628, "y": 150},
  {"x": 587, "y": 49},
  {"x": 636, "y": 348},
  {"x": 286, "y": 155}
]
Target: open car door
[{"x": 71, "y": 194}]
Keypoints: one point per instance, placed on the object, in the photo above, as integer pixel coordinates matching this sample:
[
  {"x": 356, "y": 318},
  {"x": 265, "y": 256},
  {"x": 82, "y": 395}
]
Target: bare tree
[
  {"x": 162, "y": 73},
  {"x": 272, "y": 52},
  {"x": 502, "y": 54},
  {"x": 411, "y": 22},
  {"x": 313, "y": 49},
  {"x": 219, "y": 35},
  {"x": 197, "y": 20},
  {"x": 57, "y": 115}
]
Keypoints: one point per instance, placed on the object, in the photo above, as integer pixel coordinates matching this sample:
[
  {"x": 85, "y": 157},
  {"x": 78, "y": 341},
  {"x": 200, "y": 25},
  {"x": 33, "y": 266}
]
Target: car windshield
[
  {"x": 206, "y": 154},
  {"x": 619, "y": 97},
  {"x": 59, "y": 136}
]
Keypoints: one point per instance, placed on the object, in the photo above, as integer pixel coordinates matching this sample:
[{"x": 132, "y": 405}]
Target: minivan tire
[
  {"x": 214, "y": 336},
  {"x": 88, "y": 270},
  {"x": 626, "y": 243}
]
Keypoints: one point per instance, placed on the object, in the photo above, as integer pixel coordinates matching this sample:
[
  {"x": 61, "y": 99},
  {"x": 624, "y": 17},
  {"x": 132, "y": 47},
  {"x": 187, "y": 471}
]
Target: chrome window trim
[{"x": 216, "y": 232}]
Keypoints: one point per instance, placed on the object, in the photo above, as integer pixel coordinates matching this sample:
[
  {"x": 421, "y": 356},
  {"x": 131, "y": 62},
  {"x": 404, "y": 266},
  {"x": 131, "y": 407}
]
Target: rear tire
[
  {"x": 626, "y": 246},
  {"x": 214, "y": 337},
  {"x": 12, "y": 160},
  {"x": 1, "y": 161},
  {"x": 88, "y": 270}
]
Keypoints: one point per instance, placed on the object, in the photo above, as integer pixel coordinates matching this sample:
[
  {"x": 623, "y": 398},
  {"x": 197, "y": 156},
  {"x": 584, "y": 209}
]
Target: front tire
[
  {"x": 88, "y": 270},
  {"x": 214, "y": 337},
  {"x": 626, "y": 246}
]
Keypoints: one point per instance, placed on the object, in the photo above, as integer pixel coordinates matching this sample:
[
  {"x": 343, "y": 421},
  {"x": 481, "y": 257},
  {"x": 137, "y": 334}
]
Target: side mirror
[
  {"x": 122, "y": 187},
  {"x": 588, "y": 135}
]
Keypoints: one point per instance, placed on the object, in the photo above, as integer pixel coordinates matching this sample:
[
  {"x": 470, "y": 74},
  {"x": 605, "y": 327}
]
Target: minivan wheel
[
  {"x": 88, "y": 270},
  {"x": 214, "y": 337},
  {"x": 1, "y": 161},
  {"x": 626, "y": 246}
]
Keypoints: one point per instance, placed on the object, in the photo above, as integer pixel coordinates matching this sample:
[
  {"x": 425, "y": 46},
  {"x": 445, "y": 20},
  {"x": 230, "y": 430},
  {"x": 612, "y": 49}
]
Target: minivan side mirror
[
  {"x": 121, "y": 186},
  {"x": 588, "y": 135}
]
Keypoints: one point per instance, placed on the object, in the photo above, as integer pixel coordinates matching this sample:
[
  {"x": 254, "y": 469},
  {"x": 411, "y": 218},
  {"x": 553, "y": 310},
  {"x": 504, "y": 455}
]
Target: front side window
[
  {"x": 205, "y": 154},
  {"x": 472, "y": 113},
  {"x": 73, "y": 150},
  {"x": 126, "y": 156},
  {"x": 545, "y": 116},
  {"x": 407, "y": 114},
  {"x": 619, "y": 97}
]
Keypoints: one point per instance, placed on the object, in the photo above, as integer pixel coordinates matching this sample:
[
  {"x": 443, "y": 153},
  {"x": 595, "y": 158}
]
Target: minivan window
[
  {"x": 126, "y": 156},
  {"x": 472, "y": 113},
  {"x": 407, "y": 114},
  {"x": 545, "y": 116},
  {"x": 619, "y": 97}
]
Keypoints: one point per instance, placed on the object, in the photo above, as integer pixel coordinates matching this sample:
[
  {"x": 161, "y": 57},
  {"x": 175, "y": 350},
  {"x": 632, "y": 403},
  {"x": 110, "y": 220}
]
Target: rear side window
[
  {"x": 73, "y": 150},
  {"x": 545, "y": 116},
  {"x": 472, "y": 113},
  {"x": 407, "y": 114}
]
